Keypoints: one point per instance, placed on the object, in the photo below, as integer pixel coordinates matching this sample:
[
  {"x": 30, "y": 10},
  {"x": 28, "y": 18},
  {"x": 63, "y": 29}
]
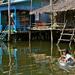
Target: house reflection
[{"x": 1, "y": 53}]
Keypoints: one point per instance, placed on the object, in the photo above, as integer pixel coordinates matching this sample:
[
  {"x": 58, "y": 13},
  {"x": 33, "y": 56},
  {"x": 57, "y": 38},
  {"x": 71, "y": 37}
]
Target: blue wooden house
[
  {"x": 19, "y": 14},
  {"x": 20, "y": 18}
]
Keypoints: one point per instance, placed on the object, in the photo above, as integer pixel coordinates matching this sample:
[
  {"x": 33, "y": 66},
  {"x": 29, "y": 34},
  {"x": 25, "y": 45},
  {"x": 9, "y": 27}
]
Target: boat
[{"x": 65, "y": 66}]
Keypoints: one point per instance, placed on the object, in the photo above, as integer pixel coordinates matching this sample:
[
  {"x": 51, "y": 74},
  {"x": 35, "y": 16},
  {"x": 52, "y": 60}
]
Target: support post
[
  {"x": 30, "y": 41},
  {"x": 9, "y": 28},
  {"x": 30, "y": 28},
  {"x": 15, "y": 19},
  {"x": 51, "y": 26}
]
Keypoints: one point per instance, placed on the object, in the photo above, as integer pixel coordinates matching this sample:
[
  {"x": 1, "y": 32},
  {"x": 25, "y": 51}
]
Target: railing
[
  {"x": 46, "y": 26},
  {"x": 40, "y": 26}
]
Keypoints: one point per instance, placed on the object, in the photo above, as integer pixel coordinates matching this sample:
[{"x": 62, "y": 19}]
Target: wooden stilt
[
  {"x": 51, "y": 29},
  {"x": 9, "y": 28}
]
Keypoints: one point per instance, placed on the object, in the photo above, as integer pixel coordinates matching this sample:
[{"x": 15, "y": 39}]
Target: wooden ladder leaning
[{"x": 70, "y": 33}]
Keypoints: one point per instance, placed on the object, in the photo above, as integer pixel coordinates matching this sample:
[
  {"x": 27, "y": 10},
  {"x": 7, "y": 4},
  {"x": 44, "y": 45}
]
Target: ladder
[{"x": 70, "y": 33}]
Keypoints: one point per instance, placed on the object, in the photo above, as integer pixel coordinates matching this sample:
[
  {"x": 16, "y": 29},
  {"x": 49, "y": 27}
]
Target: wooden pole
[
  {"x": 30, "y": 29},
  {"x": 51, "y": 26},
  {"x": 30, "y": 40},
  {"x": 30, "y": 10},
  {"x": 9, "y": 28}
]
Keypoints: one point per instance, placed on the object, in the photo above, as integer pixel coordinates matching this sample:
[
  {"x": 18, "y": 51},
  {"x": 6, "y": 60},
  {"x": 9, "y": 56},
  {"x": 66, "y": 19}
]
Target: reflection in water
[
  {"x": 1, "y": 53},
  {"x": 17, "y": 59}
]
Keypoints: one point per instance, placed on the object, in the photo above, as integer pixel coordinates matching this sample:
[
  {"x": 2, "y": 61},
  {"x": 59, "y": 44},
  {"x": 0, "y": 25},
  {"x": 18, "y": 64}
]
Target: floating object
[
  {"x": 41, "y": 58},
  {"x": 61, "y": 63},
  {"x": 65, "y": 66}
]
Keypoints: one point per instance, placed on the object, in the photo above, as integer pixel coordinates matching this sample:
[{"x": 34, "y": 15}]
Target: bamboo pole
[
  {"x": 30, "y": 34},
  {"x": 9, "y": 28},
  {"x": 51, "y": 26},
  {"x": 30, "y": 28}
]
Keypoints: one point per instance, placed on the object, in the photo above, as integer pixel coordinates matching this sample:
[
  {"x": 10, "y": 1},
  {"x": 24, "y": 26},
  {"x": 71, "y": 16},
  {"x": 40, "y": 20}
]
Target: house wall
[{"x": 22, "y": 5}]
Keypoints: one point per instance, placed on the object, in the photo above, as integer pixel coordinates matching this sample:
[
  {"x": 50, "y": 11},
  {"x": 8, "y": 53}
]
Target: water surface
[{"x": 36, "y": 58}]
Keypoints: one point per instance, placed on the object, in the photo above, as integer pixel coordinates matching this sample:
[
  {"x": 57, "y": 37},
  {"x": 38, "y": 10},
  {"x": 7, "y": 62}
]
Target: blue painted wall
[
  {"x": 22, "y": 5},
  {"x": 14, "y": 0}
]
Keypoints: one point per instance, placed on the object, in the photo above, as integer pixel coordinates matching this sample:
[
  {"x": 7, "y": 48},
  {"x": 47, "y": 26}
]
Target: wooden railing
[{"x": 46, "y": 24}]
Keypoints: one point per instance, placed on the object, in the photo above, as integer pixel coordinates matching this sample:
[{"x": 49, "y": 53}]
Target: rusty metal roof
[{"x": 57, "y": 7}]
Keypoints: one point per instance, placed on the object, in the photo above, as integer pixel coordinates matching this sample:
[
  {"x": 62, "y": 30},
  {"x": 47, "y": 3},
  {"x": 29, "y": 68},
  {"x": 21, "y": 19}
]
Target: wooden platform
[{"x": 49, "y": 28}]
